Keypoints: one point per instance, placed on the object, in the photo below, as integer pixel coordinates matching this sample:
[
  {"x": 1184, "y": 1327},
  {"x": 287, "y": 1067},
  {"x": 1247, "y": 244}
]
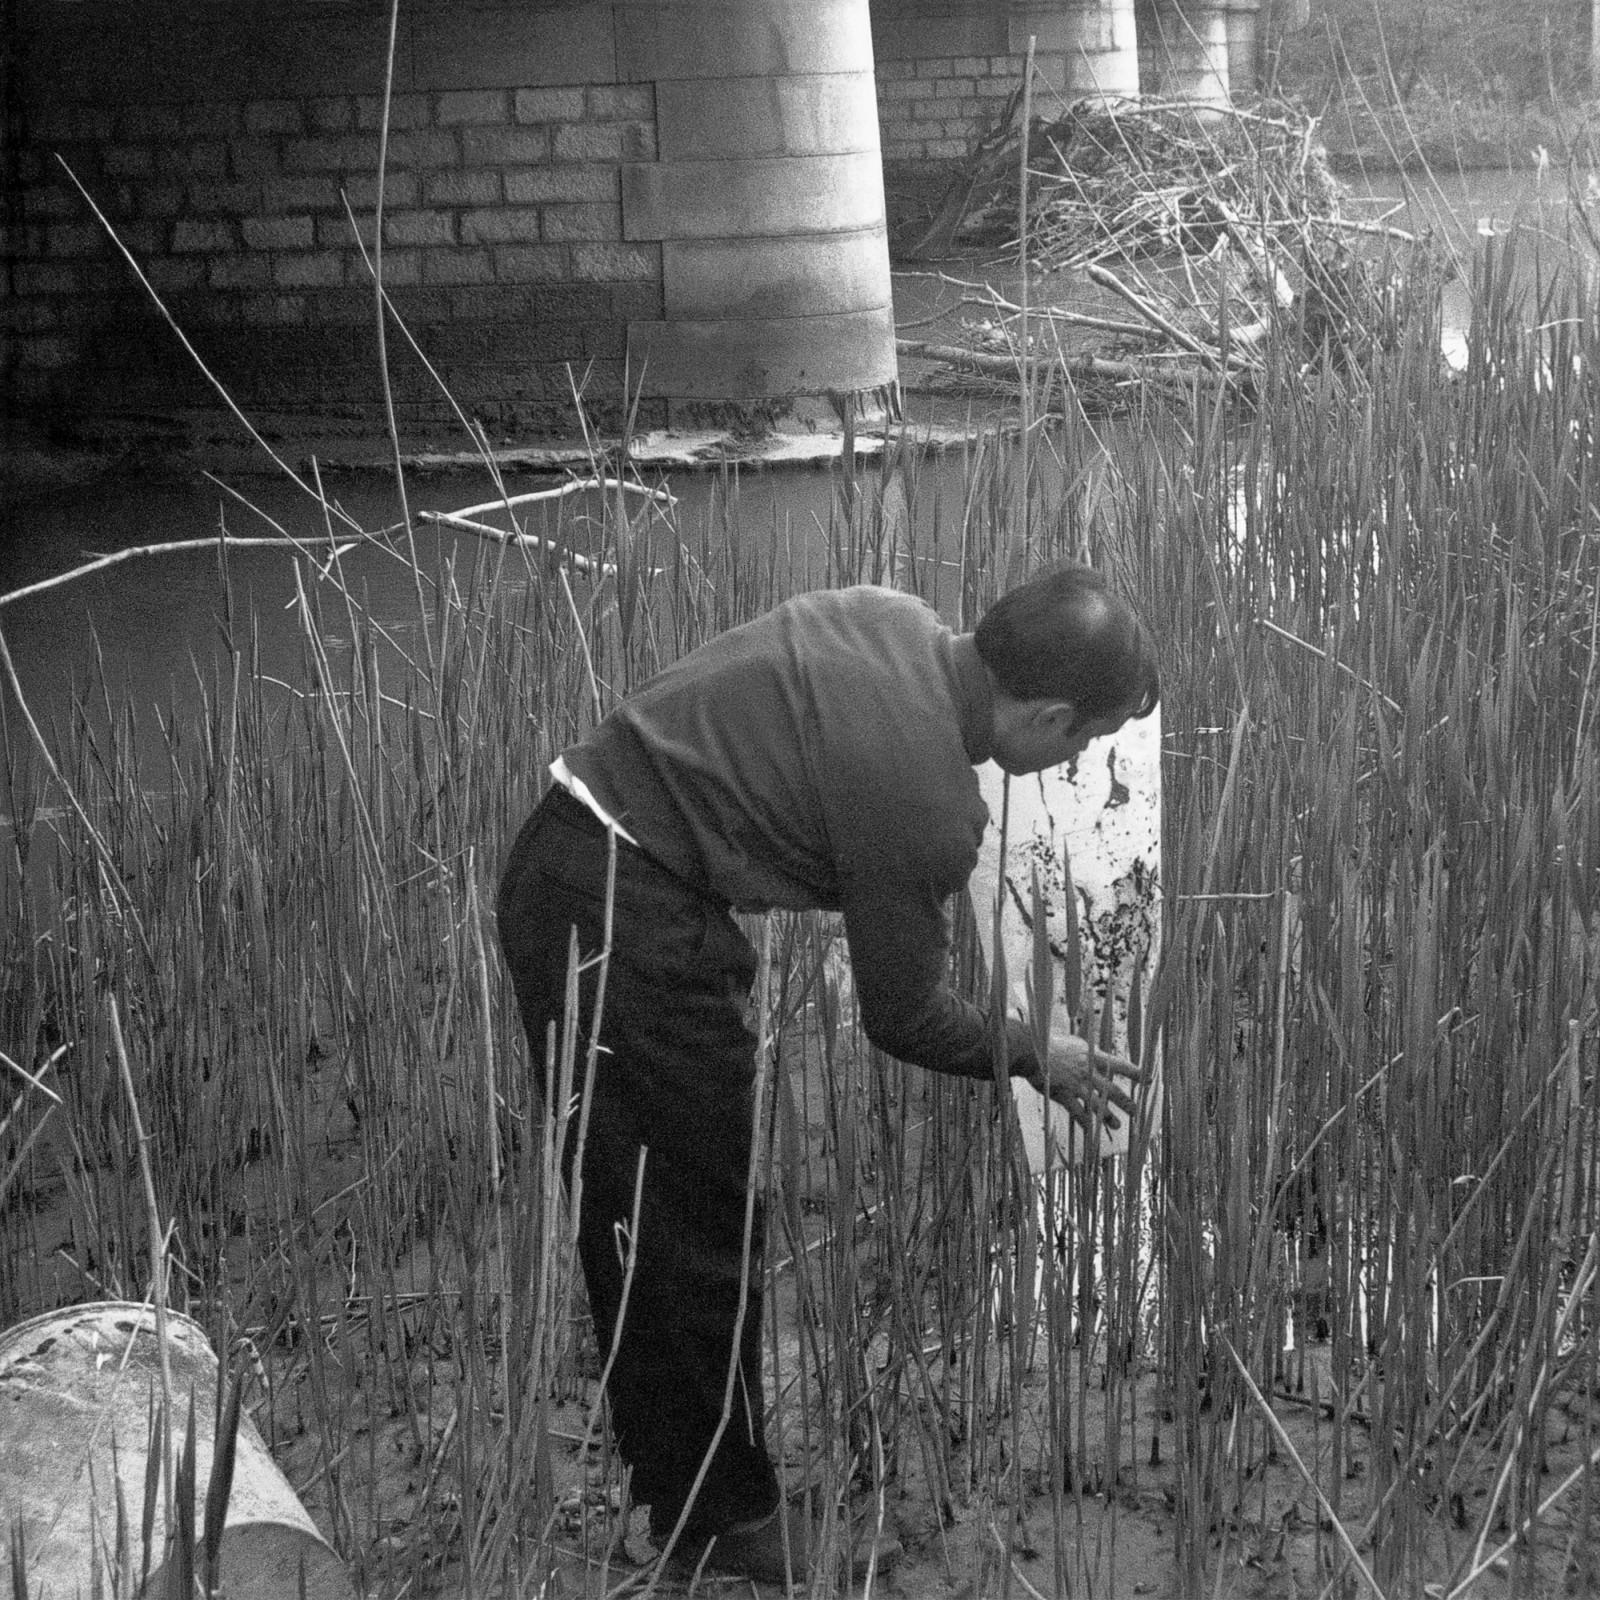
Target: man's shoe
[{"x": 777, "y": 1548}]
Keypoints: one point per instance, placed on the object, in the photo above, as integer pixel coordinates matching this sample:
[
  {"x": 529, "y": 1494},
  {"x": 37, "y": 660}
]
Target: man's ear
[{"x": 1057, "y": 717}]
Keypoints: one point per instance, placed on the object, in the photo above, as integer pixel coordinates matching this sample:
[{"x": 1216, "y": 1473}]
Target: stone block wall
[
  {"x": 947, "y": 68},
  {"x": 946, "y": 71},
  {"x": 932, "y": 108},
  {"x": 231, "y": 168}
]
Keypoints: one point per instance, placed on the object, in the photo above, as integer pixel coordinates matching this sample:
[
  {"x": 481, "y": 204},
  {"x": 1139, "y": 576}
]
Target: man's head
[{"x": 1069, "y": 662}]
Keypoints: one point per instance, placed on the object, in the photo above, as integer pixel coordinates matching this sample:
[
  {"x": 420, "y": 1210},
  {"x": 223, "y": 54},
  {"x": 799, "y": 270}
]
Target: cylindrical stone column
[
  {"x": 1244, "y": 39},
  {"x": 1088, "y": 50},
  {"x": 766, "y": 197},
  {"x": 1189, "y": 51}
]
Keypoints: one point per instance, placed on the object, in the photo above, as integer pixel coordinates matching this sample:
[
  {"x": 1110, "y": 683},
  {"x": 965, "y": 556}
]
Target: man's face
[{"x": 1048, "y": 734}]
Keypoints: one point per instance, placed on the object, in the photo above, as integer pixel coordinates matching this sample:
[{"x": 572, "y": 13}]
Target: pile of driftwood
[{"x": 1180, "y": 238}]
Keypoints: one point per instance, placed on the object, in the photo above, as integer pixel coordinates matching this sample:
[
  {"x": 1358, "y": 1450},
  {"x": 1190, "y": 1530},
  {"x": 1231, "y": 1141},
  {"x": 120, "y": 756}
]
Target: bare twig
[
  {"x": 172, "y": 547},
  {"x": 1286, "y": 1444},
  {"x": 183, "y": 338},
  {"x": 14, "y": 1166},
  {"x": 1322, "y": 655},
  {"x": 1534, "y": 1517}
]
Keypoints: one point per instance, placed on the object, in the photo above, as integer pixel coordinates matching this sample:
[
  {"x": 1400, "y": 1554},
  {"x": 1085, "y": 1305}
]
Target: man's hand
[{"x": 1085, "y": 1084}]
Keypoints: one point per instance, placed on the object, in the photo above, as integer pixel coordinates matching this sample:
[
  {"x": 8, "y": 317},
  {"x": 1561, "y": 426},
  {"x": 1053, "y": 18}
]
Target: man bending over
[{"x": 819, "y": 757}]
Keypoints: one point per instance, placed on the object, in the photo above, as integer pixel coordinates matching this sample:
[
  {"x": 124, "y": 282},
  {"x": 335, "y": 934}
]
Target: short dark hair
[{"x": 1065, "y": 636}]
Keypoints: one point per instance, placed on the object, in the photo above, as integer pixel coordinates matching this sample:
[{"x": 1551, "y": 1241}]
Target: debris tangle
[
  {"x": 1139, "y": 178},
  {"x": 1187, "y": 234}
]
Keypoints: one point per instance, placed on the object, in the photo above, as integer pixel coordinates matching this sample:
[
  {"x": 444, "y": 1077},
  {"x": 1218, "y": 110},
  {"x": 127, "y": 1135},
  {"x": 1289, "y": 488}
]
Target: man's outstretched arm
[
  {"x": 900, "y": 952},
  {"x": 900, "y": 949}
]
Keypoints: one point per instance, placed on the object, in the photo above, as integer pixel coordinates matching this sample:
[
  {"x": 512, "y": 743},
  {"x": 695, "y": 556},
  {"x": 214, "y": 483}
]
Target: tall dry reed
[
  {"x": 1379, "y": 997},
  {"x": 1371, "y": 1197}
]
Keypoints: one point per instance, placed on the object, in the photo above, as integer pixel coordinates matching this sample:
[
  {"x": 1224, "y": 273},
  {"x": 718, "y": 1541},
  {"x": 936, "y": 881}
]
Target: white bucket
[{"x": 73, "y": 1381}]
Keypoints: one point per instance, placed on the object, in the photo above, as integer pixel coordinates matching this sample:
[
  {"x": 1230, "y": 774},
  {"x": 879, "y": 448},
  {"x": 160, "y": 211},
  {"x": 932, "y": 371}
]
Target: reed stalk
[{"x": 1378, "y": 597}]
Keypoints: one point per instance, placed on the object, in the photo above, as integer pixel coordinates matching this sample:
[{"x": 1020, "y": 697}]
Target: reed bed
[
  {"x": 1340, "y": 1312},
  {"x": 1379, "y": 1001}
]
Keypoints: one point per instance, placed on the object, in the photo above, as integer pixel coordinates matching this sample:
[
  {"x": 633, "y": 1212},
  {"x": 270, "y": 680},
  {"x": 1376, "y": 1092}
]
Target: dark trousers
[{"x": 676, "y": 1079}]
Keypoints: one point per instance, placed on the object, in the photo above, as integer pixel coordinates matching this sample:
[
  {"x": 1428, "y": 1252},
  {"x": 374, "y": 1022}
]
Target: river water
[
  {"x": 146, "y": 626},
  {"x": 151, "y": 624},
  {"x": 1463, "y": 211}
]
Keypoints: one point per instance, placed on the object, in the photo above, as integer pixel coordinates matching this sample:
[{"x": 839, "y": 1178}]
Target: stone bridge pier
[{"x": 673, "y": 206}]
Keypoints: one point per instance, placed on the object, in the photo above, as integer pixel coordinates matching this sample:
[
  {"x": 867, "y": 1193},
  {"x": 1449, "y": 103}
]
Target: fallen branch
[
  {"x": 576, "y": 486},
  {"x": 1087, "y": 319},
  {"x": 523, "y": 541},
  {"x": 998, "y": 366},
  {"x": 1153, "y": 315},
  {"x": 992, "y": 299},
  {"x": 1382, "y": 230},
  {"x": 227, "y": 541}
]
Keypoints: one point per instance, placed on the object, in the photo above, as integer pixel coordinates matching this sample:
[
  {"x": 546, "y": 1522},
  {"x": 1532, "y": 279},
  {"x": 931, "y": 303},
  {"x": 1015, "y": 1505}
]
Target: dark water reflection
[
  {"x": 151, "y": 615},
  {"x": 146, "y": 631},
  {"x": 148, "y": 628}
]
